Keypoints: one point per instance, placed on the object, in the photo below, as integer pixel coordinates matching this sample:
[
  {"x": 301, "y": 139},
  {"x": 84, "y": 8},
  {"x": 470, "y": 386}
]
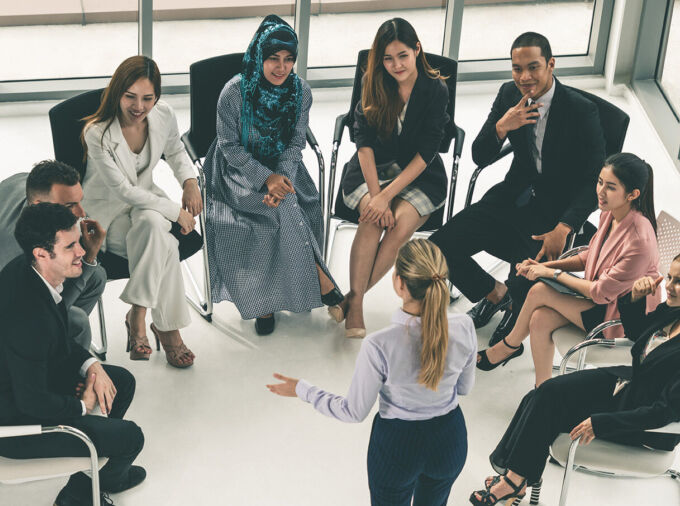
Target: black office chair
[
  {"x": 614, "y": 126},
  {"x": 350, "y": 217},
  {"x": 207, "y": 79},
  {"x": 66, "y": 124}
]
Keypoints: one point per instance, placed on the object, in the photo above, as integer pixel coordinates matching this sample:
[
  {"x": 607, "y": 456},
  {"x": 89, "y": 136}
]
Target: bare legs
[
  {"x": 544, "y": 311},
  {"x": 371, "y": 258}
]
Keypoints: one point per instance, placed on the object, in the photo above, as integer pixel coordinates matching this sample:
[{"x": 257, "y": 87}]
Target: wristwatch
[{"x": 557, "y": 273}]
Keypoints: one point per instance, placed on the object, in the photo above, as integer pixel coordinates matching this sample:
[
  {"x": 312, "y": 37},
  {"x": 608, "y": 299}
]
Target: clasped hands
[
  {"x": 378, "y": 211},
  {"x": 278, "y": 186},
  {"x": 97, "y": 389}
]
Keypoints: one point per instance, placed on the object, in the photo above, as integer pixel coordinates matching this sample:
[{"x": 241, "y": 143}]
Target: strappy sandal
[
  {"x": 175, "y": 353},
  {"x": 485, "y": 365},
  {"x": 488, "y": 498},
  {"x": 137, "y": 346}
]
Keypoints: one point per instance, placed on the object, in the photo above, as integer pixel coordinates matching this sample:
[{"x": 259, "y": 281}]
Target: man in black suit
[
  {"x": 42, "y": 371},
  {"x": 548, "y": 192},
  {"x": 58, "y": 183}
]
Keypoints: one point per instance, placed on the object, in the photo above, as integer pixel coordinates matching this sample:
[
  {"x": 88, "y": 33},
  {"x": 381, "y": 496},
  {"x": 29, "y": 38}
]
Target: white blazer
[{"x": 112, "y": 185}]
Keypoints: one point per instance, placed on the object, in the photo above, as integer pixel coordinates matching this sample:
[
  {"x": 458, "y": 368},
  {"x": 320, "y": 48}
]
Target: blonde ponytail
[{"x": 422, "y": 267}]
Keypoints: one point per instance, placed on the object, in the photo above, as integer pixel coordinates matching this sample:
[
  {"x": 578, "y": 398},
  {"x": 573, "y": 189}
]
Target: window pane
[
  {"x": 47, "y": 39},
  {"x": 337, "y": 33},
  {"x": 489, "y": 30},
  {"x": 670, "y": 76},
  {"x": 199, "y": 30}
]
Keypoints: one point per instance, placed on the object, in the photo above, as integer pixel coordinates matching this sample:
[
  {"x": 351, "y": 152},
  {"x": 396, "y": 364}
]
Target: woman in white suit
[{"x": 124, "y": 141}]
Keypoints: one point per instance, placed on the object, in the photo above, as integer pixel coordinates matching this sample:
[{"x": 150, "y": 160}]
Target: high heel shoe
[
  {"x": 484, "y": 363},
  {"x": 488, "y": 498},
  {"x": 355, "y": 333},
  {"x": 332, "y": 298},
  {"x": 174, "y": 353},
  {"x": 135, "y": 342},
  {"x": 535, "y": 491},
  {"x": 336, "y": 313}
]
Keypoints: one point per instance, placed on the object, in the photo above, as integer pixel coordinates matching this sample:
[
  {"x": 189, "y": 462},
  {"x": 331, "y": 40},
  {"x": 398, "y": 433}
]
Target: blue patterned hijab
[{"x": 271, "y": 110}]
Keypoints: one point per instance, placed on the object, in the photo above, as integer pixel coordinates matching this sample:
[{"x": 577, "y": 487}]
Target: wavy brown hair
[
  {"x": 380, "y": 98},
  {"x": 127, "y": 74},
  {"x": 422, "y": 267}
]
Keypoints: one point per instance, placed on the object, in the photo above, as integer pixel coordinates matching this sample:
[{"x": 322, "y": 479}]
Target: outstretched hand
[
  {"x": 553, "y": 242},
  {"x": 285, "y": 389}
]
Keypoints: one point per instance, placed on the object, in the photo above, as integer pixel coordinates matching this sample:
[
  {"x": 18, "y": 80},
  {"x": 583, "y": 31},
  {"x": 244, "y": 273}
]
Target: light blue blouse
[{"x": 388, "y": 364}]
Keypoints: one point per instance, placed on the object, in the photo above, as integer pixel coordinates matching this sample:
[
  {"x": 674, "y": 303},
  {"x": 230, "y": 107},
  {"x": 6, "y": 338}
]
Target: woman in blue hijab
[{"x": 263, "y": 217}]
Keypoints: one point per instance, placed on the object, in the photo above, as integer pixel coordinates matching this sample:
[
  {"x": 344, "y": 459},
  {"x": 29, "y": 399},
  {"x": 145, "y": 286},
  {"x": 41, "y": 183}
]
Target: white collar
[
  {"x": 54, "y": 292},
  {"x": 401, "y": 317},
  {"x": 546, "y": 100}
]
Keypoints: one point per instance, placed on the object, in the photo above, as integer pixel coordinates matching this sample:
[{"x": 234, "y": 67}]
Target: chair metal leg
[
  {"x": 568, "y": 470},
  {"x": 100, "y": 352},
  {"x": 94, "y": 459},
  {"x": 329, "y": 200},
  {"x": 322, "y": 190}
]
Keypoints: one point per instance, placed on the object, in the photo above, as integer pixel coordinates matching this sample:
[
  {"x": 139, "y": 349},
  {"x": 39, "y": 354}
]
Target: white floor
[{"x": 216, "y": 436}]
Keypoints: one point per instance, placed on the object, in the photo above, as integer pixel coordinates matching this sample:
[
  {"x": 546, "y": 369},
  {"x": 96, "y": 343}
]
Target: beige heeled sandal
[
  {"x": 175, "y": 353},
  {"x": 355, "y": 333}
]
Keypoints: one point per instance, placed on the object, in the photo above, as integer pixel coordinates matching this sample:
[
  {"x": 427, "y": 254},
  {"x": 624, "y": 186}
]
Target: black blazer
[
  {"x": 573, "y": 153},
  {"x": 652, "y": 398},
  {"x": 37, "y": 360},
  {"x": 422, "y": 132}
]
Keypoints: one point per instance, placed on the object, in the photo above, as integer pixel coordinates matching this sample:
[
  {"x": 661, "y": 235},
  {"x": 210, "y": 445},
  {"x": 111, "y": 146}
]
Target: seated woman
[
  {"x": 623, "y": 249},
  {"x": 263, "y": 218},
  {"x": 419, "y": 366},
  {"x": 396, "y": 179},
  {"x": 124, "y": 140},
  {"x": 613, "y": 403}
]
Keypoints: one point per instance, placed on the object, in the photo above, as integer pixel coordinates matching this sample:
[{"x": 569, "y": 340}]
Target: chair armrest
[
  {"x": 505, "y": 150},
  {"x": 340, "y": 123},
  {"x": 572, "y": 252},
  {"x": 602, "y": 327},
  {"x": 311, "y": 140},
  {"x": 458, "y": 145},
  {"x": 671, "y": 428},
  {"x": 20, "y": 430},
  {"x": 190, "y": 148},
  {"x": 590, "y": 340}
]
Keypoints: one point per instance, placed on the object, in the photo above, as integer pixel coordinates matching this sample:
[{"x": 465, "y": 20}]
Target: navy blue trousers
[{"x": 415, "y": 459}]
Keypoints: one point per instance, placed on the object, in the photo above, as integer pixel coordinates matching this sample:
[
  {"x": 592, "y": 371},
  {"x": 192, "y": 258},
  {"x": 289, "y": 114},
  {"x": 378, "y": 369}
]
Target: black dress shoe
[
  {"x": 332, "y": 298},
  {"x": 482, "y": 312},
  {"x": 264, "y": 326},
  {"x": 135, "y": 476},
  {"x": 504, "y": 327},
  {"x": 66, "y": 497}
]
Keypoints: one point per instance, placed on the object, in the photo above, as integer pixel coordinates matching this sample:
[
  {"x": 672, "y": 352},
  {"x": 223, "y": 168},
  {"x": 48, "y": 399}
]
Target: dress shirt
[
  {"x": 541, "y": 122},
  {"x": 55, "y": 292},
  {"x": 388, "y": 364}
]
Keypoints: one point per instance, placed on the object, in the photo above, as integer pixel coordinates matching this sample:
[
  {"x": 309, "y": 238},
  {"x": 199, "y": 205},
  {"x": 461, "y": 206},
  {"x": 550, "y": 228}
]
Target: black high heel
[
  {"x": 332, "y": 298},
  {"x": 487, "y": 498},
  {"x": 535, "y": 491},
  {"x": 484, "y": 363}
]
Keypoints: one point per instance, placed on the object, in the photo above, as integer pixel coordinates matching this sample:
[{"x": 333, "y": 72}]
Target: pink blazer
[{"x": 628, "y": 254}]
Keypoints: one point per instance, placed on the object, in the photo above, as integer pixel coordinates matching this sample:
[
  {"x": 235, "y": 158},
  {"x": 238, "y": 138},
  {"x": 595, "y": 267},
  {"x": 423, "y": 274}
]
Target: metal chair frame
[
  {"x": 341, "y": 122},
  {"x": 32, "y": 430},
  {"x": 201, "y": 300}
]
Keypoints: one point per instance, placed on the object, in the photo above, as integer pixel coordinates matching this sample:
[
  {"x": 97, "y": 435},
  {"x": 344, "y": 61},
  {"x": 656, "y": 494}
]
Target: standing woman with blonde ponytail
[{"x": 419, "y": 365}]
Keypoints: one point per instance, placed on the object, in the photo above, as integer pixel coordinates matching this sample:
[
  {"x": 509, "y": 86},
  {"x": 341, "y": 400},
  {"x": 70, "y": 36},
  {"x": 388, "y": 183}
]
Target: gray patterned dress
[{"x": 262, "y": 259}]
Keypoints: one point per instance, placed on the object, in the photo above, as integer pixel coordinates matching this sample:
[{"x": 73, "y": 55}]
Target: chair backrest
[
  {"x": 67, "y": 125},
  {"x": 613, "y": 120},
  {"x": 207, "y": 78},
  {"x": 447, "y": 67},
  {"x": 668, "y": 238}
]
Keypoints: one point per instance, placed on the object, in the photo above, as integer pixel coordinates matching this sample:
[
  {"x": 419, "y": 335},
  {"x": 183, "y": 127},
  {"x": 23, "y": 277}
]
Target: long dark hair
[
  {"x": 635, "y": 173},
  {"x": 380, "y": 98},
  {"x": 127, "y": 74}
]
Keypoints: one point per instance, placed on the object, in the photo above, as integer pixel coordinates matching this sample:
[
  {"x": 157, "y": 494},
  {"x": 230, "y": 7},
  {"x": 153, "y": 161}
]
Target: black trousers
[
  {"x": 557, "y": 406},
  {"x": 119, "y": 440},
  {"x": 416, "y": 460},
  {"x": 501, "y": 229}
]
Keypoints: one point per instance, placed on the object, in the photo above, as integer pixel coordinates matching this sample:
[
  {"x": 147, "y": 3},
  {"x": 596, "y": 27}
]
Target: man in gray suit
[{"x": 57, "y": 183}]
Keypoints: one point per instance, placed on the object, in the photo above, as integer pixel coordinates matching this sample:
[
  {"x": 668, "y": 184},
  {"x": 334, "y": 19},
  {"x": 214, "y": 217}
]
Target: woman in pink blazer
[{"x": 623, "y": 249}]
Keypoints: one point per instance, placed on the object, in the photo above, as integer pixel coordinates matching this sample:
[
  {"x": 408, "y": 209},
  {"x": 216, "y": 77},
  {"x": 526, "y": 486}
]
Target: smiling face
[
  {"x": 400, "y": 61},
  {"x": 65, "y": 260},
  {"x": 673, "y": 284},
  {"x": 137, "y": 101},
  {"x": 611, "y": 194},
  {"x": 533, "y": 75},
  {"x": 278, "y": 66}
]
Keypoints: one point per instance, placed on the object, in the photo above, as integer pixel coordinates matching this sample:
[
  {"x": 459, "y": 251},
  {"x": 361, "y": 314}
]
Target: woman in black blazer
[
  {"x": 614, "y": 403},
  {"x": 396, "y": 179}
]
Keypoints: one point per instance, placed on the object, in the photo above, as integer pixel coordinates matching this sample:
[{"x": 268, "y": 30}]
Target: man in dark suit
[
  {"x": 58, "y": 183},
  {"x": 42, "y": 370},
  {"x": 548, "y": 192}
]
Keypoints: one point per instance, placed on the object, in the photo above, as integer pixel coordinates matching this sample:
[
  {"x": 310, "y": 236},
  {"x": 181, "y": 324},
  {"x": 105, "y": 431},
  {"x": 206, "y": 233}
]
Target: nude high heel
[{"x": 174, "y": 353}]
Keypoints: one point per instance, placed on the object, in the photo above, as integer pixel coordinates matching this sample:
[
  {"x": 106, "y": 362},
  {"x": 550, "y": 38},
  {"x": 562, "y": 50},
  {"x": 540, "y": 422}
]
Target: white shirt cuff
[
  {"x": 86, "y": 365},
  {"x": 302, "y": 389},
  {"x": 84, "y": 408}
]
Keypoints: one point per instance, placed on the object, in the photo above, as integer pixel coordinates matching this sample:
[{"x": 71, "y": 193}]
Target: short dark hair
[
  {"x": 533, "y": 39},
  {"x": 38, "y": 225},
  {"x": 47, "y": 173}
]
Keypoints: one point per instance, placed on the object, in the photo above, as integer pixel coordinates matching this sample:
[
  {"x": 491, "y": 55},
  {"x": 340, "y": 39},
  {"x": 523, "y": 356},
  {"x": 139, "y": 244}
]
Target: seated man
[
  {"x": 58, "y": 183},
  {"x": 548, "y": 192},
  {"x": 41, "y": 369}
]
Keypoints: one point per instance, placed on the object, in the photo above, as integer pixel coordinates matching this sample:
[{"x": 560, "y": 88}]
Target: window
[{"x": 669, "y": 70}]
